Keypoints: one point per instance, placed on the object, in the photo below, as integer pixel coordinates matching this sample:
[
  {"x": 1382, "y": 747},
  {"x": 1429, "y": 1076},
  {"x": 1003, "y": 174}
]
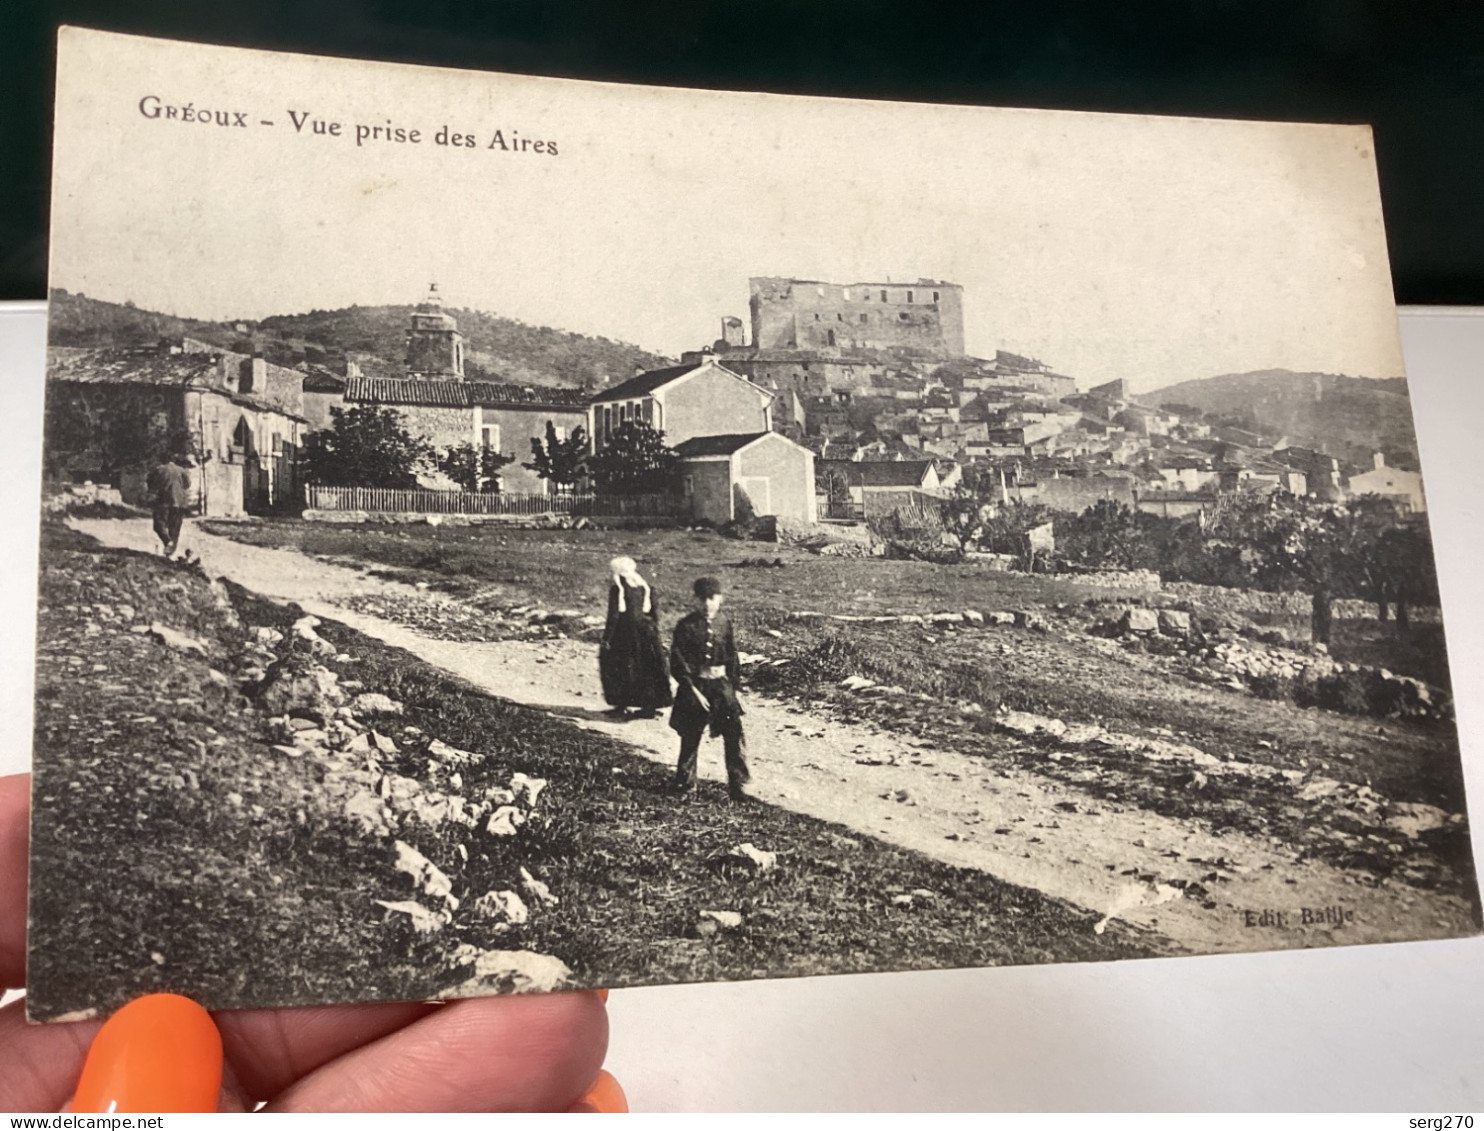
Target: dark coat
[
  {"x": 700, "y": 644},
  {"x": 631, "y": 659}
]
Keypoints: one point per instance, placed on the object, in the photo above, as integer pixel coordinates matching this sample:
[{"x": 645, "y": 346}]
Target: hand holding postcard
[{"x": 1056, "y": 471}]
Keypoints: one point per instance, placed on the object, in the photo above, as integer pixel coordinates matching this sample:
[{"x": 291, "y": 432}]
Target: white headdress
[{"x": 627, "y": 569}]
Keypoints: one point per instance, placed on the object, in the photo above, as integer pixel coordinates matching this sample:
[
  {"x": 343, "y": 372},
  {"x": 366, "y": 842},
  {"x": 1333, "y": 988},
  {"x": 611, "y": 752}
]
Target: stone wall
[{"x": 799, "y": 314}]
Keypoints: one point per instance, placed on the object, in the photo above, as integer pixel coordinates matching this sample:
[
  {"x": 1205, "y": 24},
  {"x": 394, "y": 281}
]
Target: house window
[
  {"x": 832, "y": 337},
  {"x": 904, "y": 316},
  {"x": 816, "y": 318},
  {"x": 863, "y": 318},
  {"x": 688, "y": 485},
  {"x": 489, "y": 437},
  {"x": 909, "y": 296},
  {"x": 935, "y": 296},
  {"x": 839, "y": 317},
  {"x": 846, "y": 292},
  {"x": 649, "y": 413},
  {"x": 883, "y": 296},
  {"x": 560, "y": 431}
]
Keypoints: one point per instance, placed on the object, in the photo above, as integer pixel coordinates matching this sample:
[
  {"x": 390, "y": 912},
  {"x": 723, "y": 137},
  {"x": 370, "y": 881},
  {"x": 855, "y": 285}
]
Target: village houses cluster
[{"x": 843, "y": 402}]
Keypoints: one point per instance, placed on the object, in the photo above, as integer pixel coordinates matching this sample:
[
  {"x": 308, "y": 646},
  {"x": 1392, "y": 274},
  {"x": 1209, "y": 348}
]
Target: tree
[
  {"x": 365, "y": 446},
  {"x": 634, "y": 461},
  {"x": 473, "y": 468},
  {"x": 103, "y": 431},
  {"x": 1331, "y": 550},
  {"x": 560, "y": 462}
]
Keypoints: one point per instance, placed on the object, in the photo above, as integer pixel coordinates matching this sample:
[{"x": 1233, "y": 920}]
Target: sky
[{"x": 1151, "y": 249}]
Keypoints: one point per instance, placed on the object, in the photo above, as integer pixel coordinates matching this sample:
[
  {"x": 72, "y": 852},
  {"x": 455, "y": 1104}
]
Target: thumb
[{"x": 158, "y": 1053}]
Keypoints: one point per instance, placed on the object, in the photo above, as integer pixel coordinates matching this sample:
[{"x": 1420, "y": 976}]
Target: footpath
[{"x": 1206, "y": 891}]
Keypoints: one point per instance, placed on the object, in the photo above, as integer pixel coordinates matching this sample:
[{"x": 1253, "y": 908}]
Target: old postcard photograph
[{"x": 508, "y": 534}]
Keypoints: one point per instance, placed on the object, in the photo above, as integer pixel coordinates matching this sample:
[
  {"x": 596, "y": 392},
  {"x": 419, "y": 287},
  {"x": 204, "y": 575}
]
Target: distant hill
[
  {"x": 1348, "y": 417},
  {"x": 495, "y": 348}
]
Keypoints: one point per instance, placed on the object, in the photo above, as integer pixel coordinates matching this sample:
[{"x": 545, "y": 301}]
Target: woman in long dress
[{"x": 631, "y": 659}]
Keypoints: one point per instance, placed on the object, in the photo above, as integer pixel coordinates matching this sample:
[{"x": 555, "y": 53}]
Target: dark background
[{"x": 1414, "y": 69}]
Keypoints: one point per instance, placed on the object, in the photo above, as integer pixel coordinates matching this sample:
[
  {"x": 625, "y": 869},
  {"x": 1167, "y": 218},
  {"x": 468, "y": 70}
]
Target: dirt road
[{"x": 1206, "y": 891}]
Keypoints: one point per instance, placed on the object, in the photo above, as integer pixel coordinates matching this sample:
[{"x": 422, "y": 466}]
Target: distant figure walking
[
  {"x": 704, "y": 661},
  {"x": 631, "y": 659},
  {"x": 169, "y": 485}
]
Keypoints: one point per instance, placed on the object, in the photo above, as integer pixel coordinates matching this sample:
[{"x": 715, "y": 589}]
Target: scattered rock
[
  {"x": 450, "y": 755},
  {"x": 536, "y": 889},
  {"x": 505, "y": 821},
  {"x": 749, "y": 857},
  {"x": 366, "y": 812},
  {"x": 503, "y": 907},
  {"x": 428, "y": 877},
  {"x": 1412, "y": 818},
  {"x": 1138, "y": 621},
  {"x": 526, "y": 789},
  {"x": 178, "y": 641},
  {"x": 973, "y": 616},
  {"x": 305, "y": 639},
  {"x": 1173, "y": 622},
  {"x": 424, "y": 922},
  {"x": 727, "y": 920},
  {"x": 511, "y": 971},
  {"x": 375, "y": 703},
  {"x": 296, "y": 685}
]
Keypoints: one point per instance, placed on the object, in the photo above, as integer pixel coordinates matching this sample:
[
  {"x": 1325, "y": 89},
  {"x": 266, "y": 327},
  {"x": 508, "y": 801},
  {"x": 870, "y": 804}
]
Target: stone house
[
  {"x": 878, "y": 487},
  {"x": 499, "y": 417},
  {"x": 722, "y": 476},
  {"x": 1404, "y": 487},
  {"x": 239, "y": 416},
  {"x": 684, "y": 401}
]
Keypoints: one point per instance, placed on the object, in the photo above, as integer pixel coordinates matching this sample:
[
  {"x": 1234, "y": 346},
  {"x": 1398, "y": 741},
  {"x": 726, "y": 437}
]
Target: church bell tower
[{"x": 435, "y": 348}]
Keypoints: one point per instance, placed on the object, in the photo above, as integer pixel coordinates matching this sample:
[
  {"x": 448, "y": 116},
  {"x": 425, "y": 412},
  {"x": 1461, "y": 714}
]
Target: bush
[{"x": 1270, "y": 685}]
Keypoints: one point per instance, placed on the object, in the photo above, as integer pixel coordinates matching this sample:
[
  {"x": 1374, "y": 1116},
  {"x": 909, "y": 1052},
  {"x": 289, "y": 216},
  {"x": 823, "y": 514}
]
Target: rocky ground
[
  {"x": 244, "y": 802},
  {"x": 1026, "y": 745}
]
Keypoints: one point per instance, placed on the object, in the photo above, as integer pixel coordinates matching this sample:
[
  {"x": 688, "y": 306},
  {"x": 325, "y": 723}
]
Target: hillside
[
  {"x": 1349, "y": 417},
  {"x": 496, "y": 348}
]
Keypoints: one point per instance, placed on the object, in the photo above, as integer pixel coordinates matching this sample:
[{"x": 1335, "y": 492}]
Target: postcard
[{"x": 509, "y": 534}]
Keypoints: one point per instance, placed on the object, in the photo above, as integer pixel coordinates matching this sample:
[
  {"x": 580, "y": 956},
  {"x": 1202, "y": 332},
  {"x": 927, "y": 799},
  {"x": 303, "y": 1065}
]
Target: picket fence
[{"x": 384, "y": 500}]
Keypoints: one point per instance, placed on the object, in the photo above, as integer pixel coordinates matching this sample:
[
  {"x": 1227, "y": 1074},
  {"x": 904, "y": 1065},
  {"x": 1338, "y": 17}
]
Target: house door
[{"x": 760, "y": 490}]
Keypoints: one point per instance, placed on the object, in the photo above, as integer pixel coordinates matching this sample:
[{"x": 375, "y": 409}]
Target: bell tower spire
[{"x": 435, "y": 348}]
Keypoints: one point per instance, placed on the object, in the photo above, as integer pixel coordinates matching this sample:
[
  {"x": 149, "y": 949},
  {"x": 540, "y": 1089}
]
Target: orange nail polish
[
  {"x": 602, "y": 995},
  {"x": 158, "y": 1053},
  {"x": 604, "y": 1095}
]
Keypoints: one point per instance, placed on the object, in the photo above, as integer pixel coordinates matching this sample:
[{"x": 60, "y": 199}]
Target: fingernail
[
  {"x": 602, "y": 996},
  {"x": 158, "y": 1053},
  {"x": 604, "y": 1096}
]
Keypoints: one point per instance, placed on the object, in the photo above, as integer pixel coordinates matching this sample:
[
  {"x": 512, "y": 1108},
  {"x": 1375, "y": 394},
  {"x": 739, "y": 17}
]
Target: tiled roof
[
  {"x": 318, "y": 379},
  {"x": 197, "y": 371},
  {"x": 883, "y": 473},
  {"x": 390, "y": 390},
  {"x": 129, "y": 367},
  {"x": 492, "y": 393},
  {"x": 459, "y": 394},
  {"x": 644, "y": 383},
  {"x": 723, "y": 445}
]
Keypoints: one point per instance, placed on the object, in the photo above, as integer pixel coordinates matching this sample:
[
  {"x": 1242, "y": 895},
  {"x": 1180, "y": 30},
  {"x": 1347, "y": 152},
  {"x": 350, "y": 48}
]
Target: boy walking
[{"x": 703, "y": 660}]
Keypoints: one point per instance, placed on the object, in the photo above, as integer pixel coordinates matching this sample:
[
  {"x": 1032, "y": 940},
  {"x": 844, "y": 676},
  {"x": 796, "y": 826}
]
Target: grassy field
[
  {"x": 174, "y": 849},
  {"x": 1063, "y": 672}
]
